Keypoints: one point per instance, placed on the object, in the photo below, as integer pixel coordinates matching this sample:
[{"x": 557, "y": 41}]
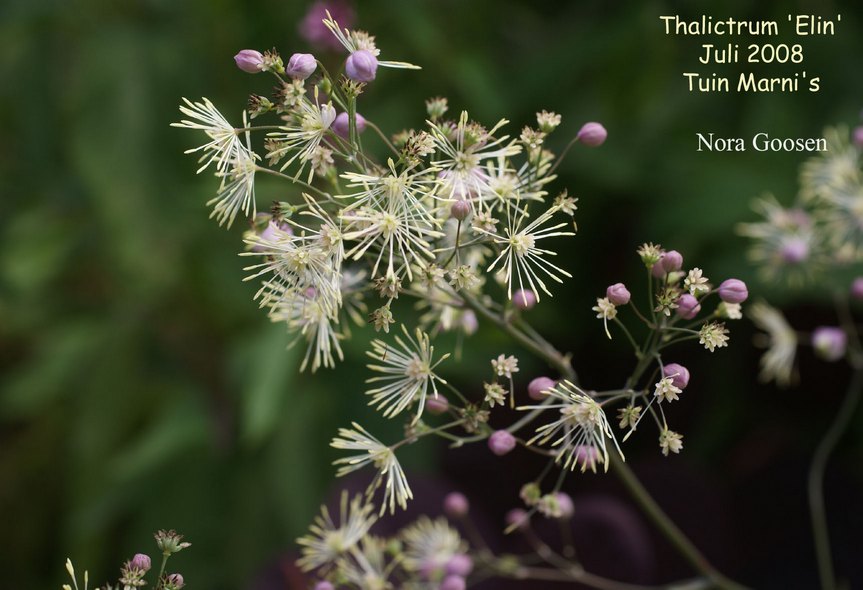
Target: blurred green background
[{"x": 140, "y": 386}]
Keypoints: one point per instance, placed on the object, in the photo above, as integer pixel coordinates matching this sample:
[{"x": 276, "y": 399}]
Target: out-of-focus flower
[
  {"x": 781, "y": 343},
  {"x": 501, "y": 442},
  {"x": 313, "y": 29},
  {"x": 330, "y": 539},
  {"x": 456, "y": 505},
  {"x": 537, "y": 387},
  {"x": 829, "y": 342}
]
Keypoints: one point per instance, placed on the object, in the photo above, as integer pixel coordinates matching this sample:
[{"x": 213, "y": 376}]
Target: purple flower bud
[
  {"x": 794, "y": 251},
  {"x": 618, "y": 294},
  {"x": 501, "y": 442},
  {"x": 678, "y": 373},
  {"x": 517, "y": 518},
  {"x": 437, "y": 404},
  {"x": 671, "y": 261},
  {"x": 524, "y": 299},
  {"x": 460, "y": 209},
  {"x": 459, "y": 565},
  {"x": 175, "y": 581},
  {"x": 733, "y": 291},
  {"x": 829, "y": 342},
  {"x": 657, "y": 270},
  {"x": 361, "y": 66},
  {"x": 453, "y": 583},
  {"x": 455, "y": 505},
  {"x": 250, "y": 60},
  {"x": 564, "y": 502},
  {"x": 141, "y": 562},
  {"x": 592, "y": 134},
  {"x": 687, "y": 306},
  {"x": 857, "y": 136},
  {"x": 324, "y": 585},
  {"x": 342, "y": 125},
  {"x": 857, "y": 288},
  {"x": 536, "y": 387},
  {"x": 301, "y": 66}
]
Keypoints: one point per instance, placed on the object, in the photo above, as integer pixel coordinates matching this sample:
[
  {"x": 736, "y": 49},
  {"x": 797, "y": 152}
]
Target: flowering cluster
[
  {"x": 458, "y": 216},
  {"x": 133, "y": 573},
  {"x": 813, "y": 241}
]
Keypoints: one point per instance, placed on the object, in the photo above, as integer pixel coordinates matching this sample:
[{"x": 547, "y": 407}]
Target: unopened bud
[
  {"x": 501, "y": 442},
  {"x": 250, "y": 60},
  {"x": 592, "y": 134},
  {"x": 618, "y": 294},
  {"x": 524, "y": 299},
  {"x": 733, "y": 291},
  {"x": 687, "y": 306},
  {"x": 460, "y": 209},
  {"x": 301, "y": 66},
  {"x": 456, "y": 505},
  {"x": 361, "y": 66}
]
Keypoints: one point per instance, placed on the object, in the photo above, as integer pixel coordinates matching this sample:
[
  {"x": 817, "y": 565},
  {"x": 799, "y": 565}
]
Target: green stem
[{"x": 817, "y": 507}]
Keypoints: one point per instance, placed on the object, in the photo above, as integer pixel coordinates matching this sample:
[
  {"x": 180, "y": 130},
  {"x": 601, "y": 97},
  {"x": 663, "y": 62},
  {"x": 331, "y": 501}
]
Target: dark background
[{"x": 141, "y": 388}]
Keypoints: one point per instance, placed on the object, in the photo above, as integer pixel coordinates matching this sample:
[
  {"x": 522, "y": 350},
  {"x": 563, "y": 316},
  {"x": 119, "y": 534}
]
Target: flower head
[
  {"x": 408, "y": 373},
  {"x": 781, "y": 342},
  {"x": 670, "y": 441},
  {"x": 713, "y": 335},
  {"x": 329, "y": 539},
  {"x": 582, "y": 422},
  {"x": 373, "y": 452}
]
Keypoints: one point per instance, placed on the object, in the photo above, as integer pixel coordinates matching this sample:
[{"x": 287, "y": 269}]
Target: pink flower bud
[
  {"x": 174, "y": 581},
  {"x": 524, "y": 299},
  {"x": 459, "y": 565},
  {"x": 141, "y": 562},
  {"x": 342, "y": 126},
  {"x": 436, "y": 404},
  {"x": 564, "y": 502},
  {"x": 460, "y": 209},
  {"x": 361, "y": 66},
  {"x": 456, "y": 505},
  {"x": 733, "y": 291},
  {"x": 301, "y": 66},
  {"x": 312, "y": 28},
  {"x": 678, "y": 373},
  {"x": 592, "y": 134},
  {"x": 517, "y": 518},
  {"x": 501, "y": 442},
  {"x": 536, "y": 388},
  {"x": 687, "y": 306},
  {"x": 857, "y": 288},
  {"x": 671, "y": 261},
  {"x": 829, "y": 343},
  {"x": 453, "y": 583},
  {"x": 857, "y": 136},
  {"x": 250, "y": 60},
  {"x": 618, "y": 294}
]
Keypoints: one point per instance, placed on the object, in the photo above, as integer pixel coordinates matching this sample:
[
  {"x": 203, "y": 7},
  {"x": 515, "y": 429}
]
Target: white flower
[
  {"x": 408, "y": 373},
  {"x": 224, "y": 139},
  {"x": 494, "y": 393},
  {"x": 329, "y": 540},
  {"x": 713, "y": 335},
  {"x": 666, "y": 390},
  {"x": 522, "y": 259},
  {"x": 429, "y": 545},
  {"x": 670, "y": 441},
  {"x": 369, "y": 565},
  {"x": 373, "y": 452},
  {"x": 605, "y": 310},
  {"x": 695, "y": 282},
  {"x": 582, "y": 422},
  {"x": 629, "y": 416},
  {"x": 308, "y": 314},
  {"x": 778, "y": 362},
  {"x": 505, "y": 366},
  {"x": 732, "y": 311},
  {"x": 462, "y": 157},
  {"x": 302, "y": 138},
  {"x": 237, "y": 191}
]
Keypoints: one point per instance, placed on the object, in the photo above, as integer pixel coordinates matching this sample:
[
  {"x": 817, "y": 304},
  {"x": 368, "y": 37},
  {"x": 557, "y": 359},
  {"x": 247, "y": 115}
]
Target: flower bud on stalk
[
  {"x": 592, "y": 134},
  {"x": 250, "y": 60},
  {"x": 687, "y": 306},
  {"x": 733, "y": 291},
  {"x": 361, "y": 66},
  {"x": 301, "y": 66}
]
